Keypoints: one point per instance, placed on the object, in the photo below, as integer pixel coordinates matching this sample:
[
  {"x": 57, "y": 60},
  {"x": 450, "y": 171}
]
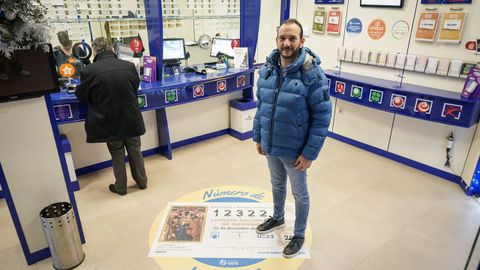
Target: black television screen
[
  {"x": 381, "y": 3},
  {"x": 28, "y": 73}
]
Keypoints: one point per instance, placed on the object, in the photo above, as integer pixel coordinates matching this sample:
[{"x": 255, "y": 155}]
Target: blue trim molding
[
  {"x": 199, "y": 138},
  {"x": 412, "y": 163},
  {"x": 249, "y": 27},
  {"x": 284, "y": 11},
  {"x": 63, "y": 163},
  {"x": 474, "y": 188},
  {"x": 243, "y": 104},
  {"x": 241, "y": 136},
  {"x": 153, "y": 151}
]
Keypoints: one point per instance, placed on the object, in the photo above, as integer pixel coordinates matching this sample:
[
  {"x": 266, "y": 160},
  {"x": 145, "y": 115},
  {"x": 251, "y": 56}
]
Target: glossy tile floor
[{"x": 367, "y": 213}]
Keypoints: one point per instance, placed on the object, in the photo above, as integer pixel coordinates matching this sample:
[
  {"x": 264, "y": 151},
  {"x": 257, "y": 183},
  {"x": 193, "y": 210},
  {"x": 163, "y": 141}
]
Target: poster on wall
[
  {"x": 319, "y": 20},
  {"x": 354, "y": 27},
  {"x": 400, "y": 29},
  {"x": 452, "y": 26},
  {"x": 376, "y": 29},
  {"x": 427, "y": 26},
  {"x": 334, "y": 21}
]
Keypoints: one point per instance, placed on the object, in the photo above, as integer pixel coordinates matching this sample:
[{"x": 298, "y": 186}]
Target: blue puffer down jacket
[{"x": 293, "y": 107}]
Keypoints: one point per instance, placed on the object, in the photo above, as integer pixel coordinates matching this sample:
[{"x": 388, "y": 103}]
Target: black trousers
[{"x": 135, "y": 158}]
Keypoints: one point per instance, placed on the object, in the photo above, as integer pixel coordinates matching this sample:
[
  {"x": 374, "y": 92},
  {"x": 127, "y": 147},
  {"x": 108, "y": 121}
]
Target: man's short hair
[
  {"x": 101, "y": 44},
  {"x": 64, "y": 39},
  {"x": 292, "y": 21}
]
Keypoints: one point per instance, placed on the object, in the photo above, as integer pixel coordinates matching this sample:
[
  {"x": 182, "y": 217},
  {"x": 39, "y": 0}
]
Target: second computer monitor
[
  {"x": 223, "y": 45},
  {"x": 174, "y": 49}
]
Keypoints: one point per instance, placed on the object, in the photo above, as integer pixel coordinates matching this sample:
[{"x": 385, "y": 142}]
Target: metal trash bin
[{"x": 61, "y": 231}]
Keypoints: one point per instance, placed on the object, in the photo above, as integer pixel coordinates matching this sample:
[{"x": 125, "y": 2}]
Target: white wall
[
  {"x": 184, "y": 122},
  {"x": 31, "y": 164},
  {"x": 374, "y": 127}
]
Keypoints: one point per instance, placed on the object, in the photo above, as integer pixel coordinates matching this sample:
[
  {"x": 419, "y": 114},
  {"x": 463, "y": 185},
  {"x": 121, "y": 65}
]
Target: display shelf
[{"x": 416, "y": 101}]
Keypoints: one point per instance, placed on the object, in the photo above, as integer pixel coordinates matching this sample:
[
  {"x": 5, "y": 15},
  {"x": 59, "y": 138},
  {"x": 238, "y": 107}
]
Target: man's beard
[{"x": 293, "y": 55}]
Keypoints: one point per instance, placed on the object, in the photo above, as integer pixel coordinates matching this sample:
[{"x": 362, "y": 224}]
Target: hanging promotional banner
[
  {"x": 376, "y": 29},
  {"x": 400, "y": 29},
  {"x": 319, "y": 20},
  {"x": 354, "y": 26},
  {"x": 452, "y": 27},
  {"x": 334, "y": 21},
  {"x": 427, "y": 26}
]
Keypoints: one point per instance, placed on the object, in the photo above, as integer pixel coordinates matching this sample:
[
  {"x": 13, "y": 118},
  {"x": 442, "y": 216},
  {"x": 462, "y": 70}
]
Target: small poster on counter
[
  {"x": 452, "y": 26},
  {"x": 240, "y": 57},
  {"x": 149, "y": 69},
  {"x": 471, "y": 86}
]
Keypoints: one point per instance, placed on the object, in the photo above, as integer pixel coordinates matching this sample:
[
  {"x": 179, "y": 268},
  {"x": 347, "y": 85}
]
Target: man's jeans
[{"x": 279, "y": 169}]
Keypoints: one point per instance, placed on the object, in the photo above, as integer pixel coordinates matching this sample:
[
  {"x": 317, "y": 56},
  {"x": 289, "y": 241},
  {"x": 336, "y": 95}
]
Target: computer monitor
[
  {"x": 174, "y": 49},
  {"x": 223, "y": 45},
  {"x": 123, "y": 51}
]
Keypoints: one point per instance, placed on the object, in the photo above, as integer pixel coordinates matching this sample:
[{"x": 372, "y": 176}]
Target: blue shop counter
[{"x": 175, "y": 90}]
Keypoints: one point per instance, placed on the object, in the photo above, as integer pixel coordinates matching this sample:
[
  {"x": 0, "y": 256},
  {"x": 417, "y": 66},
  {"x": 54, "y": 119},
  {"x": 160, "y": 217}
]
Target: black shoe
[
  {"x": 112, "y": 189},
  {"x": 294, "y": 247},
  {"x": 269, "y": 225},
  {"x": 140, "y": 186}
]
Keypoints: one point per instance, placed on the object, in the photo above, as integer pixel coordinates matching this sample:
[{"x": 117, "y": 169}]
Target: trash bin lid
[{"x": 55, "y": 210}]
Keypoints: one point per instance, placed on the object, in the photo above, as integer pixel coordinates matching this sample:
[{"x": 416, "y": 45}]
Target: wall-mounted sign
[
  {"x": 471, "y": 45},
  {"x": 171, "y": 96},
  {"x": 334, "y": 21},
  {"x": 328, "y": 1},
  {"x": 198, "y": 90},
  {"x": 66, "y": 70},
  {"x": 356, "y": 92},
  {"x": 423, "y": 106},
  {"x": 452, "y": 110},
  {"x": 241, "y": 81},
  {"x": 452, "y": 26},
  {"x": 376, "y": 29},
  {"x": 340, "y": 88},
  {"x": 376, "y": 96},
  {"x": 427, "y": 26},
  {"x": 142, "y": 100},
  {"x": 319, "y": 16},
  {"x": 63, "y": 112},
  {"x": 354, "y": 26},
  {"x": 398, "y": 101},
  {"x": 221, "y": 86},
  {"x": 400, "y": 29}
]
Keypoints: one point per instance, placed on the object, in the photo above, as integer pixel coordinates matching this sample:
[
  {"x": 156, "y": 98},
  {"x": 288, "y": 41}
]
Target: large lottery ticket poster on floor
[{"x": 221, "y": 230}]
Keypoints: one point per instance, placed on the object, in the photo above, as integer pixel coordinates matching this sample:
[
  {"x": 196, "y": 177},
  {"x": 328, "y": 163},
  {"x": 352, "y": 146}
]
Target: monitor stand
[{"x": 171, "y": 68}]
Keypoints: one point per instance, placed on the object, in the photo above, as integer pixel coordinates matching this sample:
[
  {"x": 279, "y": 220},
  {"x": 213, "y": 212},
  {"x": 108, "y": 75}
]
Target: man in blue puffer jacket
[{"x": 290, "y": 126}]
